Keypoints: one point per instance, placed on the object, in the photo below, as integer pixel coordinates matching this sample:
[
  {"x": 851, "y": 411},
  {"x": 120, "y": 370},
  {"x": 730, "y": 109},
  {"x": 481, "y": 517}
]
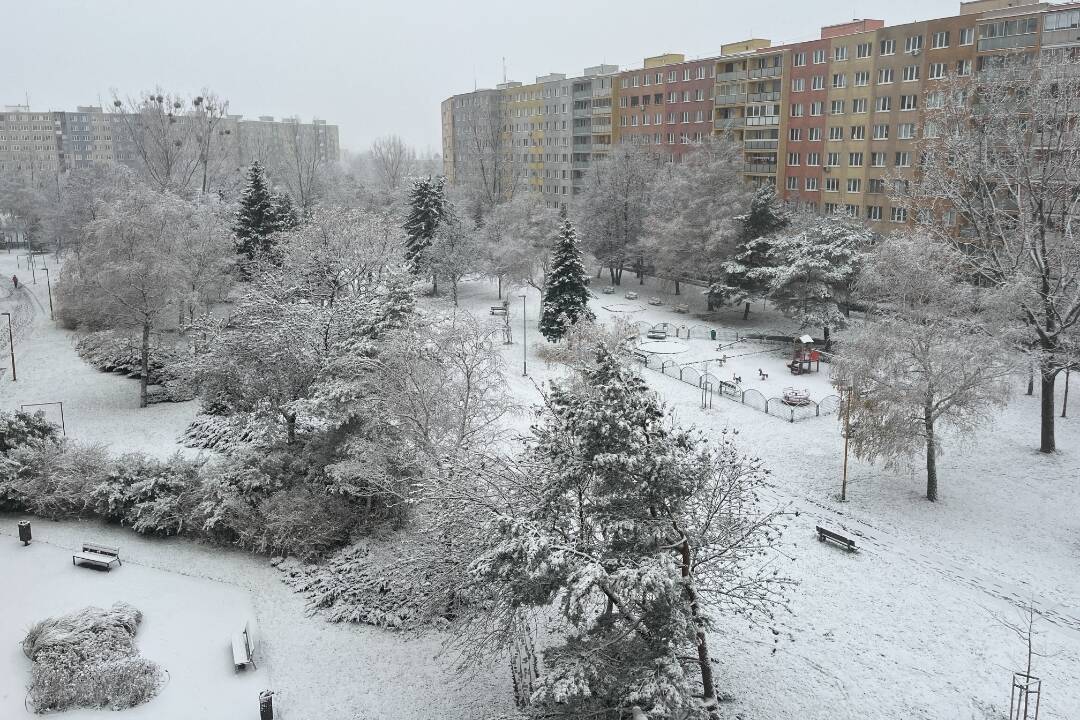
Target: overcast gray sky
[{"x": 372, "y": 68}]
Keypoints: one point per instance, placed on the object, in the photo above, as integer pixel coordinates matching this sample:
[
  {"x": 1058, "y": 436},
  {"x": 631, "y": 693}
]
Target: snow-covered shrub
[
  {"x": 151, "y": 496},
  {"x": 61, "y": 478},
  {"x": 229, "y": 433},
  {"x": 113, "y": 351},
  {"x": 301, "y": 522},
  {"x": 20, "y": 428},
  {"x": 88, "y": 658}
]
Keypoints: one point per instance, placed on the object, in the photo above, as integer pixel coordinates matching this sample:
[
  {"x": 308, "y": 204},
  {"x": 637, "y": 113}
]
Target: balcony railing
[
  {"x": 763, "y": 120},
  {"x": 764, "y": 97},
  {"x": 761, "y": 144},
  {"x": 730, "y": 76},
  {"x": 736, "y": 99},
  {"x": 727, "y": 123},
  {"x": 760, "y": 168},
  {"x": 766, "y": 72}
]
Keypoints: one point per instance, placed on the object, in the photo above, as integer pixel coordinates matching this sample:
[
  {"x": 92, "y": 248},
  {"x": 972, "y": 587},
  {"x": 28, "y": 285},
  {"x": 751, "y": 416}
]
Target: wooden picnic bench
[
  {"x": 630, "y": 295},
  {"x": 97, "y": 555},
  {"x": 609, "y": 290},
  {"x": 655, "y": 301},
  {"x": 684, "y": 309},
  {"x": 499, "y": 310},
  {"x": 243, "y": 648},
  {"x": 823, "y": 535}
]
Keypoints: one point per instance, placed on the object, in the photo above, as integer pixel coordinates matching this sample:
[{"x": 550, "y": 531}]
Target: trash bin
[
  {"x": 266, "y": 705},
  {"x": 712, "y": 334},
  {"x": 24, "y": 532}
]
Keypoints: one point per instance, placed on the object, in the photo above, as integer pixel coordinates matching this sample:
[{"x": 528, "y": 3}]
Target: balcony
[
  {"x": 760, "y": 168},
  {"x": 766, "y": 72},
  {"x": 764, "y": 97},
  {"x": 761, "y": 144},
  {"x": 727, "y": 123},
  {"x": 736, "y": 99},
  {"x": 731, "y": 76},
  {"x": 762, "y": 120}
]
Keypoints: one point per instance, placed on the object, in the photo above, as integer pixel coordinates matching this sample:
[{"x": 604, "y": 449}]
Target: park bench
[
  {"x": 609, "y": 290},
  {"x": 684, "y": 309},
  {"x": 655, "y": 301},
  {"x": 97, "y": 555},
  {"x": 655, "y": 334},
  {"x": 499, "y": 310},
  {"x": 641, "y": 356},
  {"x": 823, "y": 535},
  {"x": 631, "y": 295},
  {"x": 243, "y": 648}
]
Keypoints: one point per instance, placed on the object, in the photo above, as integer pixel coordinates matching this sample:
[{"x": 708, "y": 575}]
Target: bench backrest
[
  {"x": 101, "y": 549},
  {"x": 249, "y": 639}
]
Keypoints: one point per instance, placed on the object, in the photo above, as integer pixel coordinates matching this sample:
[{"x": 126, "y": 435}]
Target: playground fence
[{"x": 752, "y": 398}]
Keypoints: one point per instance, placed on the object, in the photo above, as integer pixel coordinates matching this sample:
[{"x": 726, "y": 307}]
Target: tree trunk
[
  {"x": 708, "y": 685},
  {"x": 677, "y": 287},
  {"x": 1047, "y": 444},
  {"x": 144, "y": 381},
  {"x": 1031, "y": 379},
  {"x": 1065, "y": 397},
  {"x": 746, "y": 311},
  {"x": 290, "y": 427},
  {"x": 434, "y": 284},
  {"x": 931, "y": 452},
  {"x": 611, "y": 271},
  {"x": 500, "y": 287},
  {"x": 825, "y": 331}
]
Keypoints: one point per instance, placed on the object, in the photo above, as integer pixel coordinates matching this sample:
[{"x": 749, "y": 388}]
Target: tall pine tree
[
  {"x": 428, "y": 209},
  {"x": 746, "y": 275},
  {"x": 566, "y": 298},
  {"x": 284, "y": 212},
  {"x": 257, "y": 219}
]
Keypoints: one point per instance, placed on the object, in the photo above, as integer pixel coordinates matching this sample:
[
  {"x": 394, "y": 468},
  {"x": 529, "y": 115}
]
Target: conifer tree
[
  {"x": 284, "y": 212},
  {"x": 428, "y": 209},
  {"x": 746, "y": 275},
  {"x": 257, "y": 219},
  {"x": 566, "y": 298}
]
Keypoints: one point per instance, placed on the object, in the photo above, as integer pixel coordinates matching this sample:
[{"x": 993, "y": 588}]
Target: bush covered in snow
[
  {"x": 118, "y": 352},
  {"x": 88, "y": 658}
]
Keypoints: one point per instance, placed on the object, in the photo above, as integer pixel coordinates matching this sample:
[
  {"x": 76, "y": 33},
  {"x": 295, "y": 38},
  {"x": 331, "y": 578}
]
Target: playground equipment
[
  {"x": 796, "y": 398},
  {"x": 806, "y": 358}
]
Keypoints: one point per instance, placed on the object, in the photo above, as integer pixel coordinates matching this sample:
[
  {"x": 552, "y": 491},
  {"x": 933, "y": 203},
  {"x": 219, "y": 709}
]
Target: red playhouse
[{"x": 806, "y": 358}]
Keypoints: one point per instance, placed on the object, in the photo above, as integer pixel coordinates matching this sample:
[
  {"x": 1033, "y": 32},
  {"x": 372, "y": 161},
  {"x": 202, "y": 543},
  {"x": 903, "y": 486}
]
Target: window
[
  {"x": 909, "y": 102},
  {"x": 884, "y": 104},
  {"x": 840, "y": 53},
  {"x": 948, "y": 218},
  {"x": 913, "y": 44},
  {"x": 884, "y": 75},
  {"x": 937, "y": 71},
  {"x": 701, "y": 72},
  {"x": 941, "y": 40},
  {"x": 798, "y": 84},
  {"x": 858, "y": 132},
  {"x": 854, "y": 185},
  {"x": 888, "y": 47},
  {"x": 873, "y": 212},
  {"x": 836, "y": 133},
  {"x": 811, "y": 183},
  {"x": 673, "y": 97},
  {"x": 819, "y": 57},
  {"x": 648, "y": 79},
  {"x": 832, "y": 159},
  {"x": 858, "y": 105},
  {"x": 839, "y": 80},
  {"x": 817, "y": 82},
  {"x": 795, "y": 134},
  {"x": 836, "y": 107},
  {"x": 813, "y": 159},
  {"x": 686, "y": 74},
  {"x": 831, "y": 208},
  {"x": 686, "y": 117},
  {"x": 792, "y": 183},
  {"x": 699, "y": 116},
  {"x": 855, "y": 159},
  {"x": 862, "y": 78},
  {"x": 793, "y": 159},
  {"x": 814, "y": 134},
  {"x": 935, "y": 100},
  {"x": 905, "y": 131},
  {"x": 967, "y": 36},
  {"x": 881, "y": 132},
  {"x": 686, "y": 96},
  {"x": 903, "y": 159},
  {"x": 797, "y": 110},
  {"x": 832, "y": 184},
  {"x": 671, "y": 76},
  {"x": 877, "y": 159},
  {"x": 931, "y": 129},
  {"x": 899, "y": 215},
  {"x": 799, "y": 59},
  {"x": 817, "y": 108},
  {"x": 911, "y": 73},
  {"x": 876, "y": 186},
  {"x": 863, "y": 50},
  {"x": 963, "y": 68}
]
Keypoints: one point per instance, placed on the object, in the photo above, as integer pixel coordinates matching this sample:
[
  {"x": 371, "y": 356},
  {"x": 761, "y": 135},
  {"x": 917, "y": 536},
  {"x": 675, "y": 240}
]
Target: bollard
[
  {"x": 266, "y": 705},
  {"x": 24, "y": 532},
  {"x": 712, "y": 334}
]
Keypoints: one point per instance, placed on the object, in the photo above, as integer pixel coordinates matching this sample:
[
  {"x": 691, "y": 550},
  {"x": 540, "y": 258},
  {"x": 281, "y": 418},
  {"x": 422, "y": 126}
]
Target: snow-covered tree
[
  {"x": 456, "y": 251},
  {"x": 691, "y": 228},
  {"x": 613, "y": 206},
  {"x": 516, "y": 236},
  {"x": 284, "y": 213},
  {"x": 999, "y": 185},
  {"x": 811, "y": 270},
  {"x": 393, "y": 161},
  {"x": 746, "y": 274},
  {"x": 566, "y": 296},
  {"x": 634, "y": 533},
  {"x": 428, "y": 209},
  {"x": 923, "y": 359},
  {"x": 257, "y": 219}
]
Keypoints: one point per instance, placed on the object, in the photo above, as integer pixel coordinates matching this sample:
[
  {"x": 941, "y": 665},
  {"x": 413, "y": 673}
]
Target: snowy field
[{"x": 905, "y": 629}]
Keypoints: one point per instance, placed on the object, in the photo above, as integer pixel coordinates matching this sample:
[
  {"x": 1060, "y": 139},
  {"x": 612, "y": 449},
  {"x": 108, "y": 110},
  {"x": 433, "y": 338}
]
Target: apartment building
[{"x": 51, "y": 142}]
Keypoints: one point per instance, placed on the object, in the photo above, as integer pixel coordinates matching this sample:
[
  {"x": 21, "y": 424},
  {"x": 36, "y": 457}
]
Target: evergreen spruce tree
[
  {"x": 284, "y": 212},
  {"x": 256, "y": 220},
  {"x": 566, "y": 298},
  {"x": 428, "y": 208},
  {"x": 746, "y": 275}
]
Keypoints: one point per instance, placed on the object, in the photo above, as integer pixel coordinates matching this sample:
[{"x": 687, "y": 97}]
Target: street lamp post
[
  {"x": 11, "y": 346},
  {"x": 524, "y": 342},
  {"x": 48, "y": 281}
]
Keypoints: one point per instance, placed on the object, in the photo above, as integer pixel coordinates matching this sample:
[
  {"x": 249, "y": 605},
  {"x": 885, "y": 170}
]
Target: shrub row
[{"x": 116, "y": 352}]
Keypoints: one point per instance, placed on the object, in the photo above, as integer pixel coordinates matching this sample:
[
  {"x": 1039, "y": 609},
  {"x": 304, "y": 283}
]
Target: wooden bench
[
  {"x": 609, "y": 290},
  {"x": 641, "y": 357},
  {"x": 630, "y": 295},
  {"x": 655, "y": 301},
  {"x": 499, "y": 310},
  {"x": 97, "y": 555},
  {"x": 823, "y": 535},
  {"x": 656, "y": 335},
  {"x": 684, "y": 309},
  {"x": 243, "y": 648}
]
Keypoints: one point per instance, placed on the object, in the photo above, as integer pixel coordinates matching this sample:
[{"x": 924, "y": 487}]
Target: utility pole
[
  {"x": 524, "y": 342},
  {"x": 847, "y": 434},
  {"x": 48, "y": 281},
  {"x": 11, "y": 346}
]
